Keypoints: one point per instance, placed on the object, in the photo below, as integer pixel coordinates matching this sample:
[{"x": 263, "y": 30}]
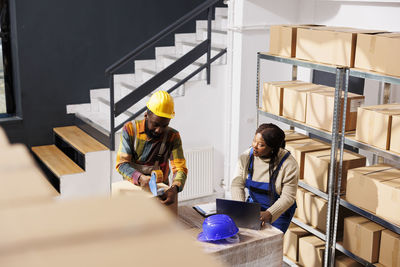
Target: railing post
[
  {"x": 112, "y": 113},
  {"x": 210, "y": 9}
]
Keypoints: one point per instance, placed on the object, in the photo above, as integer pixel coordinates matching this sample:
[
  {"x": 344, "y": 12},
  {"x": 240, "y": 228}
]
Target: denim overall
[{"x": 259, "y": 193}]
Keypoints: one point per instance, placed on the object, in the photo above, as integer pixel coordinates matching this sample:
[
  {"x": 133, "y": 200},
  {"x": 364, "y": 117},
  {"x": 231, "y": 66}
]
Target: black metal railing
[{"x": 164, "y": 75}]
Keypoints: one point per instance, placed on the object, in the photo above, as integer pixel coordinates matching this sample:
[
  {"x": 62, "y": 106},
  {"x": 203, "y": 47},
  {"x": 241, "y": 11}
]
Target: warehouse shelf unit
[{"x": 337, "y": 142}]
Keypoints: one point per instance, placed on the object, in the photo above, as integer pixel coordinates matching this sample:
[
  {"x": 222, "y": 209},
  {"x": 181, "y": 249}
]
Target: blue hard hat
[{"x": 216, "y": 227}]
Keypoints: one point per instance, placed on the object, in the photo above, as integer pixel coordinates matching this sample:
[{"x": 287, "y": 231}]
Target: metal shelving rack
[{"x": 337, "y": 142}]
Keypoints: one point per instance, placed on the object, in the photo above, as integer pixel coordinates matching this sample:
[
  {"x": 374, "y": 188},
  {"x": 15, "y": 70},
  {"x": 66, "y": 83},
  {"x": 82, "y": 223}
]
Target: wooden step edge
[
  {"x": 58, "y": 163},
  {"x": 79, "y": 139}
]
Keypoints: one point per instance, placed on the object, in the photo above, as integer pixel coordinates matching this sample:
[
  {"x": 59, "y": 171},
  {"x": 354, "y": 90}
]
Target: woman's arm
[
  {"x": 239, "y": 181},
  {"x": 290, "y": 172}
]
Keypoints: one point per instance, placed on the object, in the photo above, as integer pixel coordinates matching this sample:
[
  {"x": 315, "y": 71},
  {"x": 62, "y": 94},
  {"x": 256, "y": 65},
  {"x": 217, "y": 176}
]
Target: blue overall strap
[
  {"x": 275, "y": 173},
  {"x": 250, "y": 168}
]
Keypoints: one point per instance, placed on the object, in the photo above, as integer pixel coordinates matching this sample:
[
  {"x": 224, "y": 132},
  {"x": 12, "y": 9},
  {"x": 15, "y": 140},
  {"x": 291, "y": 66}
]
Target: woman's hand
[{"x": 265, "y": 217}]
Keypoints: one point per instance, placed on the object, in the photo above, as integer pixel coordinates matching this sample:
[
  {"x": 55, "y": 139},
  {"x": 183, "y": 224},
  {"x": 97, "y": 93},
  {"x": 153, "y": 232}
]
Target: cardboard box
[
  {"x": 317, "y": 164},
  {"x": 273, "y": 93},
  {"x": 96, "y": 232},
  {"x": 395, "y": 134},
  {"x": 374, "y": 124},
  {"x": 282, "y": 40},
  {"x": 378, "y": 52},
  {"x": 344, "y": 261},
  {"x": 320, "y": 109},
  {"x": 362, "y": 237},
  {"x": 291, "y": 241},
  {"x": 389, "y": 253},
  {"x": 299, "y": 148},
  {"x": 311, "y": 251},
  {"x": 302, "y": 211},
  {"x": 295, "y": 101},
  {"x": 330, "y": 45},
  {"x": 316, "y": 207},
  {"x": 363, "y": 184},
  {"x": 389, "y": 200},
  {"x": 291, "y": 135}
]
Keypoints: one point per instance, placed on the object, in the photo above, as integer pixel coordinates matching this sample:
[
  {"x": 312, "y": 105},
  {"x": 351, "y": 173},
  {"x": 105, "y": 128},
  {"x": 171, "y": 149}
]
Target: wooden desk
[{"x": 255, "y": 248}]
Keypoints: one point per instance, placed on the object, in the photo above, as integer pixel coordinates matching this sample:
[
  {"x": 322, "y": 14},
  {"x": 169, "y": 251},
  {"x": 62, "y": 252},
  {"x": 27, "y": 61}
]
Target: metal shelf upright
[{"x": 337, "y": 141}]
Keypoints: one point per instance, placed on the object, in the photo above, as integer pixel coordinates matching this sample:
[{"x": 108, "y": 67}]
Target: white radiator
[{"x": 200, "y": 164}]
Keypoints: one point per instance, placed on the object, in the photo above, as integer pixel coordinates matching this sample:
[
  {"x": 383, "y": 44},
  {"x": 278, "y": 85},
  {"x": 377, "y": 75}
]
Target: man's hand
[
  {"x": 144, "y": 180},
  {"x": 265, "y": 217},
  {"x": 170, "y": 195}
]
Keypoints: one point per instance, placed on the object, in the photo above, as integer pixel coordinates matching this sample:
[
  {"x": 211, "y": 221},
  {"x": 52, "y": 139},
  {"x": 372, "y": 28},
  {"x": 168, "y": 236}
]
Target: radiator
[{"x": 200, "y": 164}]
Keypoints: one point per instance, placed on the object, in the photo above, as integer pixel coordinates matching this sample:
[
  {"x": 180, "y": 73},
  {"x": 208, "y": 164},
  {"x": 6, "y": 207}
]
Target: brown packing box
[
  {"x": 317, "y": 164},
  {"x": 95, "y": 232},
  {"x": 320, "y": 109},
  {"x": 316, "y": 207},
  {"x": 389, "y": 200},
  {"x": 344, "y": 261},
  {"x": 362, "y": 237},
  {"x": 330, "y": 45},
  {"x": 300, "y": 201},
  {"x": 295, "y": 101},
  {"x": 374, "y": 124},
  {"x": 378, "y": 52},
  {"x": 299, "y": 148},
  {"x": 21, "y": 181},
  {"x": 395, "y": 134},
  {"x": 311, "y": 251},
  {"x": 389, "y": 253},
  {"x": 291, "y": 241},
  {"x": 273, "y": 93},
  {"x": 363, "y": 184},
  {"x": 291, "y": 135}
]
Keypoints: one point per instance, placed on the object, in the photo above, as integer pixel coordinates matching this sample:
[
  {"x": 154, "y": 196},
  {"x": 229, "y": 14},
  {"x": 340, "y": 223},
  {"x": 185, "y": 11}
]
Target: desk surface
[{"x": 255, "y": 248}]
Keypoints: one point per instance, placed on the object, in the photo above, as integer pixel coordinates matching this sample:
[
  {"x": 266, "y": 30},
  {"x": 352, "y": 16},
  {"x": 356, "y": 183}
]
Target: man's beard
[{"x": 149, "y": 133}]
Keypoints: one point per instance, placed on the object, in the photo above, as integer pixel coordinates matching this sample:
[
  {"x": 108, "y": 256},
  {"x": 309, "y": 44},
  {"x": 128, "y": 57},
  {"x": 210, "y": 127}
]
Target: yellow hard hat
[{"x": 161, "y": 104}]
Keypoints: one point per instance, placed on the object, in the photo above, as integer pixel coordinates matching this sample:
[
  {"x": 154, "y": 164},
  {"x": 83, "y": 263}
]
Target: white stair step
[
  {"x": 217, "y": 36},
  {"x": 169, "y": 59},
  {"x": 161, "y": 51},
  {"x": 148, "y": 74},
  {"x": 187, "y": 46},
  {"x": 143, "y": 64},
  {"x": 221, "y": 11},
  {"x": 78, "y": 108},
  {"x": 183, "y": 37},
  {"x": 220, "y": 24}
]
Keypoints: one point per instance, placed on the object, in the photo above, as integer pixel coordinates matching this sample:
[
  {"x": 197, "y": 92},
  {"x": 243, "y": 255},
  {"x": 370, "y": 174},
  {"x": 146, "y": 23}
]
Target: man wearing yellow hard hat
[{"x": 147, "y": 145}]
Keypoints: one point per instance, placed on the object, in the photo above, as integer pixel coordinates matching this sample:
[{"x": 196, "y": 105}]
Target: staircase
[{"x": 93, "y": 175}]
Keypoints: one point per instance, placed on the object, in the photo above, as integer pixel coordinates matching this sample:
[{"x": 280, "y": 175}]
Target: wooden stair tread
[
  {"x": 56, "y": 160},
  {"x": 79, "y": 139}
]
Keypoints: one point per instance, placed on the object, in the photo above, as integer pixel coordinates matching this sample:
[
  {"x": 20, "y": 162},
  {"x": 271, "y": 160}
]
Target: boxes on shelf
[
  {"x": 295, "y": 101},
  {"x": 291, "y": 241},
  {"x": 291, "y": 135},
  {"x": 330, "y": 45},
  {"x": 395, "y": 134},
  {"x": 299, "y": 148},
  {"x": 272, "y": 96},
  {"x": 362, "y": 237},
  {"x": 311, "y": 251},
  {"x": 378, "y": 52},
  {"x": 344, "y": 261},
  {"x": 301, "y": 208},
  {"x": 317, "y": 164},
  {"x": 282, "y": 40},
  {"x": 389, "y": 253},
  {"x": 363, "y": 185},
  {"x": 320, "y": 109},
  {"x": 374, "y": 124},
  {"x": 389, "y": 200},
  {"x": 316, "y": 207}
]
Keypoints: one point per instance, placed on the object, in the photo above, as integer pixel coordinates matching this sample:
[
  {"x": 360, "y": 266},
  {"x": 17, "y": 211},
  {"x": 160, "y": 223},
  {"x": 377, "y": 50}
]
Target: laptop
[{"x": 244, "y": 214}]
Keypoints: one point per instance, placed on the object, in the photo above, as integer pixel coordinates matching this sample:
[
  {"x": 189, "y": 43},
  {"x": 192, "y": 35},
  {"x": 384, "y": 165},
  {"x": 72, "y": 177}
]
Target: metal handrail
[
  {"x": 166, "y": 74},
  {"x": 152, "y": 41}
]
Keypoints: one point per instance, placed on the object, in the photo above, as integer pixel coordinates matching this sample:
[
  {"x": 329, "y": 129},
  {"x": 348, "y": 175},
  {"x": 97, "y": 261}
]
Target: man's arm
[
  {"x": 124, "y": 156},
  {"x": 178, "y": 163}
]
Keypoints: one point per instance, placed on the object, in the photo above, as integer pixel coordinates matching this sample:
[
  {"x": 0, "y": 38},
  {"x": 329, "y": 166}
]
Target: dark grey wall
[{"x": 61, "y": 49}]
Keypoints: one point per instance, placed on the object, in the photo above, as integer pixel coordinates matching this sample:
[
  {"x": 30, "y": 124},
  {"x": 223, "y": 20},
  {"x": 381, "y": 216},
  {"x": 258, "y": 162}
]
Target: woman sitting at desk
[{"x": 270, "y": 174}]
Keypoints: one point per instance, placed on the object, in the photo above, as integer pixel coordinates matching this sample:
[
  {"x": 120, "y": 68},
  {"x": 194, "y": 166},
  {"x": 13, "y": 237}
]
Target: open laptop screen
[{"x": 244, "y": 214}]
